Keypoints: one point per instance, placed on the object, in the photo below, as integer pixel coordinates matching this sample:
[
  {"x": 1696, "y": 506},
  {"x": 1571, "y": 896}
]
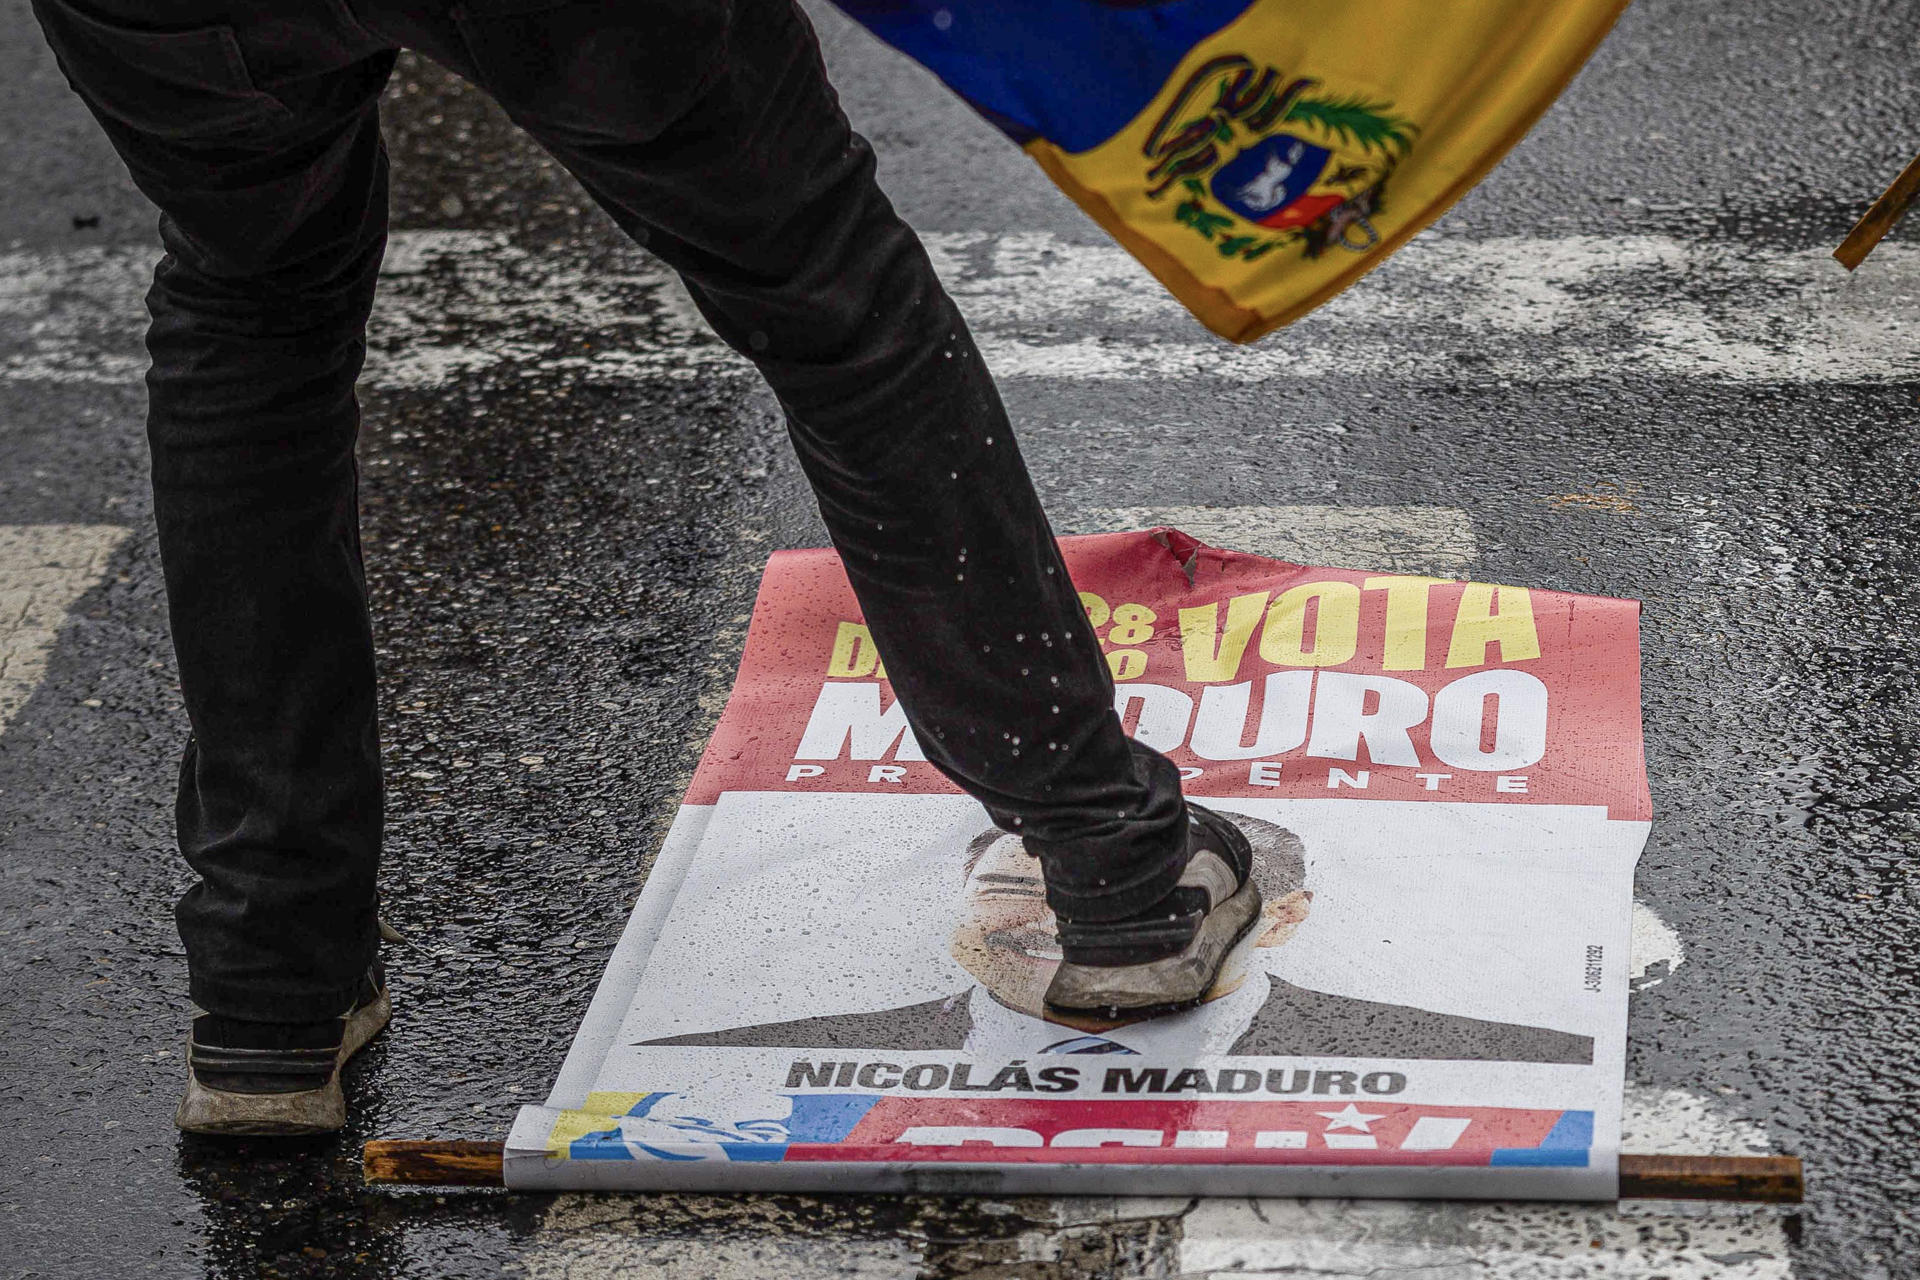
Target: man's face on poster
[{"x": 1006, "y": 936}]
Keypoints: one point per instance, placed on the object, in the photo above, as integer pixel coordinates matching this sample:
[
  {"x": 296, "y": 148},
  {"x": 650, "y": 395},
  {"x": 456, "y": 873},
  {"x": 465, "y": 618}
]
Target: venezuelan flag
[{"x": 1258, "y": 156}]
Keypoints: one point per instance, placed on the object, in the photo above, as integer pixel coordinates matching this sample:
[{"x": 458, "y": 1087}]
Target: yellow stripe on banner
[
  {"x": 1296, "y": 148},
  {"x": 603, "y": 1111}
]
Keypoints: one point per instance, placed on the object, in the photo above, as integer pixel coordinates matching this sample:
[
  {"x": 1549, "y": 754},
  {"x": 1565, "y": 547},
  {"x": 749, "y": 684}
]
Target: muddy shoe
[
  {"x": 1168, "y": 956},
  {"x": 278, "y": 1079}
]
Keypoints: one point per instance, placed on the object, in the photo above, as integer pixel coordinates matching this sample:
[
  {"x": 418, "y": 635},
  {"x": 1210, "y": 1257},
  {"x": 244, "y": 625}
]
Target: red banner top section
[{"x": 1261, "y": 679}]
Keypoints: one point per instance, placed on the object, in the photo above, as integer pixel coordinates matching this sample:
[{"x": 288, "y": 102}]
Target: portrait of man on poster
[{"x": 1005, "y": 941}]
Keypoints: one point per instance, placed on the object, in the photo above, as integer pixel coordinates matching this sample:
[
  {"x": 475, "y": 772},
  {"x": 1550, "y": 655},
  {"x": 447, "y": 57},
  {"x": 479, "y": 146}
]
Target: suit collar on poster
[{"x": 1209, "y": 1030}]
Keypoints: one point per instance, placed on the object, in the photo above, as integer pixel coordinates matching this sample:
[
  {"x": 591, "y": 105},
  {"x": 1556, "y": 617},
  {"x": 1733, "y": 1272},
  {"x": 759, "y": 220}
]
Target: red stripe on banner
[
  {"x": 1178, "y": 619},
  {"x": 1170, "y": 1132}
]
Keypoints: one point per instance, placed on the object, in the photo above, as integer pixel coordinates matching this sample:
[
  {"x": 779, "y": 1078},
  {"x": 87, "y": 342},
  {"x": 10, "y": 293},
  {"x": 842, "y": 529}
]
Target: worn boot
[
  {"x": 277, "y": 1078},
  {"x": 1168, "y": 956}
]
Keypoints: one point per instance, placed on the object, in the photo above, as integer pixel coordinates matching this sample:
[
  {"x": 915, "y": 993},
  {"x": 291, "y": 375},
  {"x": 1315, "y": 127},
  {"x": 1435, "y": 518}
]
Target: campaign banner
[
  {"x": 833, "y": 977},
  {"x": 1258, "y": 156}
]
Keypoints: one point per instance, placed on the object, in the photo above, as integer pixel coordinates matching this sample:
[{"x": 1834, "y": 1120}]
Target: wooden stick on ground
[
  {"x": 1762, "y": 1179},
  {"x": 1765, "y": 1179},
  {"x": 439, "y": 1164},
  {"x": 1879, "y": 219}
]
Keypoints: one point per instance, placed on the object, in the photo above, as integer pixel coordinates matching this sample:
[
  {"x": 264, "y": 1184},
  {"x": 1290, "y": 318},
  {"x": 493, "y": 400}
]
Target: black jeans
[{"x": 709, "y": 132}]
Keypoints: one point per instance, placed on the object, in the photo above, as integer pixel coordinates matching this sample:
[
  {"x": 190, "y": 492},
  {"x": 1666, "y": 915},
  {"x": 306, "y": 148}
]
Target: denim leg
[
  {"x": 758, "y": 192},
  {"x": 273, "y": 216},
  {"x": 252, "y": 426}
]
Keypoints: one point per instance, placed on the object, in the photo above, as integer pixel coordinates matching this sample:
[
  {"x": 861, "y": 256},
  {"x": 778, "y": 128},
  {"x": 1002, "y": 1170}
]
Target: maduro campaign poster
[{"x": 833, "y": 978}]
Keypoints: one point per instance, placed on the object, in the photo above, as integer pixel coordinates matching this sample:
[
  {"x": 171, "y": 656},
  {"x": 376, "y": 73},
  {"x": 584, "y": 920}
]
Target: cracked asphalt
[{"x": 1617, "y": 364}]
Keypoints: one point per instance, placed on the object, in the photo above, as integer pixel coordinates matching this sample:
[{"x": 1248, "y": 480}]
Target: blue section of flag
[
  {"x": 1074, "y": 72},
  {"x": 1566, "y": 1145},
  {"x": 827, "y": 1117}
]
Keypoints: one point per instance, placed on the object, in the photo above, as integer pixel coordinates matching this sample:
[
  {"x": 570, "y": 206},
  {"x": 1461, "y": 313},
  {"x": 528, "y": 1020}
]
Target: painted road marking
[
  {"x": 458, "y": 305},
  {"x": 1429, "y": 540},
  {"x": 1267, "y": 1239},
  {"x": 1657, "y": 949},
  {"x": 585, "y": 1237},
  {"x": 44, "y": 570}
]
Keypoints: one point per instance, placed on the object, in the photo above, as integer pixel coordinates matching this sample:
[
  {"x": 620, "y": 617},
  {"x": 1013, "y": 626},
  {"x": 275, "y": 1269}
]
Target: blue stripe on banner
[
  {"x": 765, "y": 1151},
  {"x": 1566, "y": 1145},
  {"x": 602, "y": 1144},
  {"x": 1071, "y": 71},
  {"x": 827, "y": 1117}
]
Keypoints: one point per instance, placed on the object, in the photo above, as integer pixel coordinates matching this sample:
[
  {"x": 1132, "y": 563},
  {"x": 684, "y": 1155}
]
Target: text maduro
[
  {"x": 1018, "y": 1077},
  {"x": 1488, "y": 722}
]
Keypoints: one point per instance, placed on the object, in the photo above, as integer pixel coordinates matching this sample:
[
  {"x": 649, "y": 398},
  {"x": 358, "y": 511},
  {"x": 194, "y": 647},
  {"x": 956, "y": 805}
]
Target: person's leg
[
  {"x": 737, "y": 166},
  {"x": 256, "y": 136}
]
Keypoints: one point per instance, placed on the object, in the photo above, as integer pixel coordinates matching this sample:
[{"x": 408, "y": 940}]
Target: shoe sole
[
  {"x": 283, "y": 1115},
  {"x": 1166, "y": 985}
]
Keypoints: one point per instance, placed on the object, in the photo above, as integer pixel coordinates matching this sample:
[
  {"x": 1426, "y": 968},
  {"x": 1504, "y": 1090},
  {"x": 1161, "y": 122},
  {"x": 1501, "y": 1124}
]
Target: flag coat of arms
[{"x": 1258, "y": 156}]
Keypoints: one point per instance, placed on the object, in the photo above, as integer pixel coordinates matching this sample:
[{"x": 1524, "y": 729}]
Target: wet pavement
[{"x": 1621, "y": 366}]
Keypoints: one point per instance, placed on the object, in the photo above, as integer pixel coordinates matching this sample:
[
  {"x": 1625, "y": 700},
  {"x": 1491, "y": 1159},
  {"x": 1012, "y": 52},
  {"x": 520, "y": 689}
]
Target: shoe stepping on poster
[{"x": 832, "y": 978}]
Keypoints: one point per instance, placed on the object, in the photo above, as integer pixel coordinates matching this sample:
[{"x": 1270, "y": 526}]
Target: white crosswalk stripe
[
  {"x": 1340, "y": 1239},
  {"x": 1430, "y": 540},
  {"x": 44, "y": 569},
  {"x": 455, "y": 304}
]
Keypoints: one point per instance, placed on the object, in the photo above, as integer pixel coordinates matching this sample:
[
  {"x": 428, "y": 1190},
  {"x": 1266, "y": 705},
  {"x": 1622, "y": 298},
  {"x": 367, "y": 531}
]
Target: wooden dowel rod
[
  {"x": 1766, "y": 1179},
  {"x": 1880, "y": 217},
  {"x": 399, "y": 1161}
]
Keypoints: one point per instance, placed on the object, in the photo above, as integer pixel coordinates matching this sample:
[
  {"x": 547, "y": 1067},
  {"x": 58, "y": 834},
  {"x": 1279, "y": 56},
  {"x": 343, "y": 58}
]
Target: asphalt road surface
[{"x": 1623, "y": 365}]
